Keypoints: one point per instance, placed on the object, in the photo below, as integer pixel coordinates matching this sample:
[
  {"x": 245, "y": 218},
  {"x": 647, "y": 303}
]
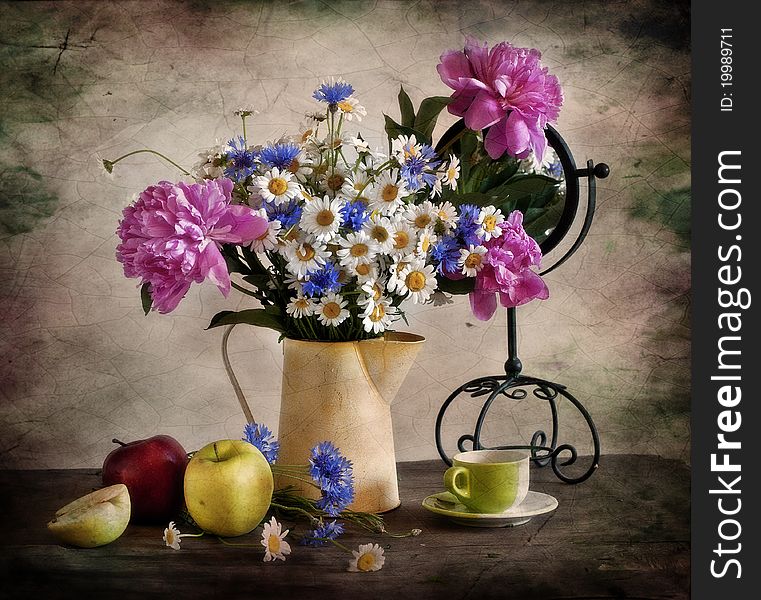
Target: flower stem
[{"x": 148, "y": 151}]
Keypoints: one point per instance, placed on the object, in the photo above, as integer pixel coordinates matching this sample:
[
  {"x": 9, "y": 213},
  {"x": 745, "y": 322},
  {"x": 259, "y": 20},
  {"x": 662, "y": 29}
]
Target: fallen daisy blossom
[
  {"x": 172, "y": 536},
  {"x": 369, "y": 557},
  {"x": 273, "y": 540}
]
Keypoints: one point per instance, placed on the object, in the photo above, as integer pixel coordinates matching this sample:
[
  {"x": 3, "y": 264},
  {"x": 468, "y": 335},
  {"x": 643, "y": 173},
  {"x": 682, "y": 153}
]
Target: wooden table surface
[{"x": 624, "y": 533}]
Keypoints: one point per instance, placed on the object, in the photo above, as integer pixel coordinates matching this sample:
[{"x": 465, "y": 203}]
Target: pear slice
[{"x": 95, "y": 519}]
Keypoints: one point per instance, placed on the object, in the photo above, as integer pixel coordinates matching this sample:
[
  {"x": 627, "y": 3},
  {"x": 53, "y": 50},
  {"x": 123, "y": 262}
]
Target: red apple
[{"x": 153, "y": 471}]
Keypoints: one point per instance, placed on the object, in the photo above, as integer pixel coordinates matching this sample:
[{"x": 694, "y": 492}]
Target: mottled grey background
[{"x": 82, "y": 80}]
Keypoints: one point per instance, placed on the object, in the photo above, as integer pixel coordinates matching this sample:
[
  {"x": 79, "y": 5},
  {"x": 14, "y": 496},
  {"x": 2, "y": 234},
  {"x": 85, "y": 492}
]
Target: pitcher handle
[{"x": 233, "y": 379}]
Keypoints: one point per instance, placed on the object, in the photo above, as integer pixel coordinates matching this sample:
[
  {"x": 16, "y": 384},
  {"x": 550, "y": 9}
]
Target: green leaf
[
  {"x": 428, "y": 114},
  {"x": 145, "y": 297},
  {"x": 524, "y": 191},
  {"x": 233, "y": 261},
  {"x": 406, "y": 109},
  {"x": 254, "y": 316},
  {"x": 450, "y": 134},
  {"x": 499, "y": 178},
  {"x": 455, "y": 286},
  {"x": 468, "y": 146},
  {"x": 394, "y": 130}
]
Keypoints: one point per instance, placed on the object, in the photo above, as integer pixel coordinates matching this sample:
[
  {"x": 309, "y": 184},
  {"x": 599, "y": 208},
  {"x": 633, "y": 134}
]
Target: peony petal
[
  {"x": 240, "y": 225},
  {"x": 454, "y": 65},
  {"x": 485, "y": 110},
  {"x": 510, "y": 135},
  {"x": 483, "y": 304},
  {"x": 213, "y": 266}
]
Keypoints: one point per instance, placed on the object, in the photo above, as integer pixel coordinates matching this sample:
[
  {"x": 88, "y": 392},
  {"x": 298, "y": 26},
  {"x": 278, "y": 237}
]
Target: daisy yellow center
[
  {"x": 331, "y": 310},
  {"x": 278, "y": 186},
  {"x": 379, "y": 233},
  {"x": 409, "y": 151},
  {"x": 401, "y": 239},
  {"x": 363, "y": 270},
  {"x": 378, "y": 313},
  {"x": 490, "y": 222},
  {"x": 366, "y": 562},
  {"x": 325, "y": 217},
  {"x": 451, "y": 173},
  {"x": 336, "y": 181},
  {"x": 359, "y": 250},
  {"x": 345, "y": 106},
  {"x": 294, "y": 166},
  {"x": 274, "y": 544},
  {"x": 377, "y": 292},
  {"x": 400, "y": 267},
  {"x": 443, "y": 215},
  {"x": 474, "y": 260},
  {"x": 305, "y": 253},
  {"x": 390, "y": 192},
  {"x": 171, "y": 537},
  {"x": 306, "y": 135},
  {"x": 425, "y": 244},
  {"x": 302, "y": 303},
  {"x": 422, "y": 221},
  {"x": 415, "y": 281}
]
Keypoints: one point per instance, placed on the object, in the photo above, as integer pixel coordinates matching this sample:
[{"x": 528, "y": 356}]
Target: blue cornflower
[
  {"x": 323, "y": 532},
  {"x": 279, "y": 155},
  {"x": 354, "y": 215},
  {"x": 555, "y": 169},
  {"x": 322, "y": 281},
  {"x": 417, "y": 168},
  {"x": 288, "y": 213},
  {"x": 446, "y": 253},
  {"x": 260, "y": 436},
  {"x": 242, "y": 160},
  {"x": 333, "y": 92},
  {"x": 334, "y": 475},
  {"x": 467, "y": 226}
]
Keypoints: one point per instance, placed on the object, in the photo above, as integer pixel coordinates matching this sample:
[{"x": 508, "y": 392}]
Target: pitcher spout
[{"x": 389, "y": 359}]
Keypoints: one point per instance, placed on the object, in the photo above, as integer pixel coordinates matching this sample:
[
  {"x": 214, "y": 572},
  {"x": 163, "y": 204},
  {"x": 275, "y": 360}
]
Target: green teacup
[{"x": 489, "y": 481}]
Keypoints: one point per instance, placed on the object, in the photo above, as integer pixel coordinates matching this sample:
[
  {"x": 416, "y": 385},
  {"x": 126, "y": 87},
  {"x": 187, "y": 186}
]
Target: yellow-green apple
[
  {"x": 153, "y": 470},
  {"x": 228, "y": 487},
  {"x": 93, "y": 520}
]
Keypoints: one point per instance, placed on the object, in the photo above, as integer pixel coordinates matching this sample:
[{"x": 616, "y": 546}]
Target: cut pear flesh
[{"x": 95, "y": 519}]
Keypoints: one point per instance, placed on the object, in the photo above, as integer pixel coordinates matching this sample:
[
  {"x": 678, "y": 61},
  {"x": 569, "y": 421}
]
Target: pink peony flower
[
  {"x": 172, "y": 233},
  {"x": 506, "y": 89},
  {"x": 507, "y": 271}
]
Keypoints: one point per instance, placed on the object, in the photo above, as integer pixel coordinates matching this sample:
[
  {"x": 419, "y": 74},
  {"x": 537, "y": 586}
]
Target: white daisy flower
[
  {"x": 172, "y": 536},
  {"x": 369, "y": 557},
  {"x": 436, "y": 189},
  {"x": 489, "y": 220},
  {"x": 332, "y": 180},
  {"x": 472, "y": 260},
  {"x": 417, "y": 280},
  {"x": 301, "y": 306},
  {"x": 394, "y": 271},
  {"x": 362, "y": 147},
  {"x": 389, "y": 193},
  {"x": 453, "y": 172},
  {"x": 273, "y": 540},
  {"x": 352, "y": 109},
  {"x": 447, "y": 214},
  {"x": 364, "y": 271},
  {"x": 331, "y": 311},
  {"x": 276, "y": 186},
  {"x": 375, "y": 317},
  {"x": 405, "y": 239},
  {"x": 373, "y": 290},
  {"x": 301, "y": 166},
  {"x": 305, "y": 256},
  {"x": 421, "y": 216},
  {"x": 356, "y": 248},
  {"x": 404, "y": 147},
  {"x": 268, "y": 240},
  {"x": 210, "y": 164},
  {"x": 379, "y": 228},
  {"x": 357, "y": 185},
  {"x": 322, "y": 217},
  {"x": 426, "y": 239}
]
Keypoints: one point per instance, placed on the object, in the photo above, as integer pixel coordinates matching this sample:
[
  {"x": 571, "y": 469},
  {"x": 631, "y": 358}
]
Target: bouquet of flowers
[{"x": 334, "y": 238}]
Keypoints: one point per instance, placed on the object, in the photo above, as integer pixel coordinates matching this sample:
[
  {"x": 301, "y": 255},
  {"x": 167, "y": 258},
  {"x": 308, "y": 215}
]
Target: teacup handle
[{"x": 451, "y": 476}]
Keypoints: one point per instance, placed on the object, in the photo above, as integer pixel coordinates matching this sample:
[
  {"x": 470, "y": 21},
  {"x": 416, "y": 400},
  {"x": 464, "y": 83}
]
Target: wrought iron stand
[{"x": 512, "y": 385}]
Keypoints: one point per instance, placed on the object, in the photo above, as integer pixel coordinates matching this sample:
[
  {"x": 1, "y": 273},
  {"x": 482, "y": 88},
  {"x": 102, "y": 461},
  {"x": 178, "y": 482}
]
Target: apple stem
[
  {"x": 215, "y": 451},
  {"x": 115, "y": 441}
]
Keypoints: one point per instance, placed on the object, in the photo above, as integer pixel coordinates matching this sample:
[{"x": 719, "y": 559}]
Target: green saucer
[{"x": 535, "y": 504}]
